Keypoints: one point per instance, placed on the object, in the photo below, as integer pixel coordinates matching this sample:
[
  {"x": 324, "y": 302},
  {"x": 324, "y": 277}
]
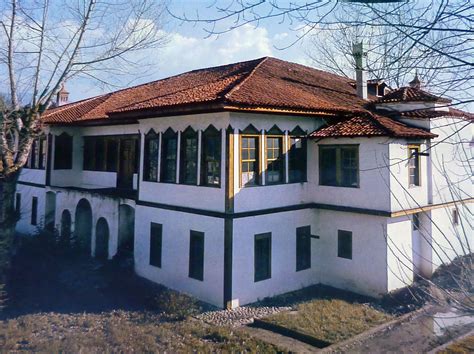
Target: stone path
[{"x": 240, "y": 316}]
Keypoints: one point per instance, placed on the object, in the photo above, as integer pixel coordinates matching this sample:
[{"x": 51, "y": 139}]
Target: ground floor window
[
  {"x": 303, "y": 248},
  {"x": 344, "y": 244},
  {"x": 156, "y": 240},
  {"x": 263, "y": 256},
  {"x": 34, "y": 211},
  {"x": 196, "y": 255}
]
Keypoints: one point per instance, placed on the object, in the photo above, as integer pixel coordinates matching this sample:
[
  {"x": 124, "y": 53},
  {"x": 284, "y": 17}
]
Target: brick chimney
[
  {"x": 62, "y": 97},
  {"x": 360, "y": 57}
]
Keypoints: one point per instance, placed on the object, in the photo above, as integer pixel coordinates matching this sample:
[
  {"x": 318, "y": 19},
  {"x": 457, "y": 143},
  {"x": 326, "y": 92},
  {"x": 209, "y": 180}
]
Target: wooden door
[{"x": 126, "y": 164}]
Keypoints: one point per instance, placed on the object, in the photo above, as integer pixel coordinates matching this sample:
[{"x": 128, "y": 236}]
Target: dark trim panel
[{"x": 31, "y": 184}]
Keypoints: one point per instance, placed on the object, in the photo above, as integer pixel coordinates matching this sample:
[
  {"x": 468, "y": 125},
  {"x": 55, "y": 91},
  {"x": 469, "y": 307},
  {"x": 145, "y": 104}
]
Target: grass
[
  {"x": 330, "y": 320},
  {"x": 120, "y": 331},
  {"x": 465, "y": 345}
]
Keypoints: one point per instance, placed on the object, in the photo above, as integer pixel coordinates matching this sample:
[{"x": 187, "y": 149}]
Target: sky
[{"x": 189, "y": 48}]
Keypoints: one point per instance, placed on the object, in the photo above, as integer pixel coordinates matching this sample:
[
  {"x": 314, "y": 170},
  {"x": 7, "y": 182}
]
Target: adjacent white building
[{"x": 248, "y": 180}]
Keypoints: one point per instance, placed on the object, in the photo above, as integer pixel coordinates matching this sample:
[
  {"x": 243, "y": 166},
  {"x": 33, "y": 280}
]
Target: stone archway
[
  {"x": 83, "y": 226},
  {"x": 65, "y": 234},
  {"x": 50, "y": 211},
  {"x": 126, "y": 234},
  {"x": 102, "y": 239}
]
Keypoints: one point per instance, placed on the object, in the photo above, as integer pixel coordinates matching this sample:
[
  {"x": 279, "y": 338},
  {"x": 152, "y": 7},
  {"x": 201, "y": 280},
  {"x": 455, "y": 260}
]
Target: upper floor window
[
  {"x": 63, "y": 152},
  {"x": 414, "y": 165},
  {"x": 169, "y": 149},
  {"x": 101, "y": 153},
  {"x": 249, "y": 156},
  {"x": 211, "y": 157},
  {"x": 188, "y": 156},
  {"x": 274, "y": 158},
  {"x": 339, "y": 165},
  {"x": 150, "y": 171},
  {"x": 37, "y": 158},
  {"x": 297, "y": 159}
]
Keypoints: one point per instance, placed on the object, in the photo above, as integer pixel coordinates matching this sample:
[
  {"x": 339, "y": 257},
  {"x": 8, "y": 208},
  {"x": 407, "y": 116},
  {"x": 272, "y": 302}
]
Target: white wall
[
  {"x": 366, "y": 272},
  {"x": 174, "y": 272},
  {"x": 27, "y": 193},
  {"x": 373, "y": 191},
  {"x": 284, "y": 276},
  {"x": 402, "y": 195},
  {"x": 33, "y": 176}
]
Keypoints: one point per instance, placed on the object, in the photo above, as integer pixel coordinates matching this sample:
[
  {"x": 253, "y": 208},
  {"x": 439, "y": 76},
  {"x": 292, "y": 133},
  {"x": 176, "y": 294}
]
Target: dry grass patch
[
  {"x": 330, "y": 320},
  {"x": 465, "y": 345},
  {"x": 120, "y": 331}
]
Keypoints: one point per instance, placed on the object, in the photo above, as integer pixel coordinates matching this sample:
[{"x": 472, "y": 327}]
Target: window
[
  {"x": 169, "y": 147},
  {"x": 37, "y": 158},
  {"x": 112, "y": 155},
  {"x": 339, "y": 165},
  {"x": 275, "y": 162},
  {"x": 344, "y": 244},
  {"x": 89, "y": 154},
  {"x": 303, "y": 248},
  {"x": 63, "y": 152},
  {"x": 263, "y": 256},
  {"x": 34, "y": 211},
  {"x": 18, "y": 203},
  {"x": 150, "y": 172},
  {"x": 455, "y": 217},
  {"x": 188, "y": 160},
  {"x": 196, "y": 255},
  {"x": 297, "y": 160},
  {"x": 100, "y": 154},
  {"x": 413, "y": 165},
  {"x": 249, "y": 155},
  {"x": 211, "y": 157},
  {"x": 156, "y": 240},
  {"x": 416, "y": 222}
]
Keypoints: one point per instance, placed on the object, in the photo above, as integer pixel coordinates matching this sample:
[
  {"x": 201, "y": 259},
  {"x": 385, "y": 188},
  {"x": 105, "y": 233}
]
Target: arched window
[
  {"x": 188, "y": 157},
  {"x": 169, "y": 150},
  {"x": 211, "y": 157},
  {"x": 63, "y": 152},
  {"x": 150, "y": 170}
]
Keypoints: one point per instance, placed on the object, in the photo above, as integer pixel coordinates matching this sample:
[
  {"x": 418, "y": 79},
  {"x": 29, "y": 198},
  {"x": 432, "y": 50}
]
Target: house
[{"x": 248, "y": 180}]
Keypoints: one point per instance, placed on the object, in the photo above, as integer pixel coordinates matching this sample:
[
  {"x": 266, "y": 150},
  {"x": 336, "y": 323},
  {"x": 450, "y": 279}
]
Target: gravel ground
[{"x": 240, "y": 316}]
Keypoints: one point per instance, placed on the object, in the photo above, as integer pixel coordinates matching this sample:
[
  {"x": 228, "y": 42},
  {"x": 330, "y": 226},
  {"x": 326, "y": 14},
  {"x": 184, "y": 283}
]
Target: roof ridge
[{"x": 245, "y": 78}]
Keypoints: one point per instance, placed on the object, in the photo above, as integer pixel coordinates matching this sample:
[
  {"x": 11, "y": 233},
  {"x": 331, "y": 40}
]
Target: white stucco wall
[
  {"x": 373, "y": 191},
  {"x": 174, "y": 272},
  {"x": 284, "y": 276},
  {"x": 33, "y": 176},
  {"x": 366, "y": 272},
  {"x": 27, "y": 193}
]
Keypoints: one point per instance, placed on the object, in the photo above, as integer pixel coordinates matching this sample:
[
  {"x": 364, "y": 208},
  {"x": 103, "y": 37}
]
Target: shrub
[{"x": 174, "y": 306}]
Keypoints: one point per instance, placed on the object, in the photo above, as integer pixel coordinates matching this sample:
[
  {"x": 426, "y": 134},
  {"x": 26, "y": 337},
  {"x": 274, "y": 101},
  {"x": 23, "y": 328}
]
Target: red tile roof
[
  {"x": 265, "y": 84},
  {"x": 410, "y": 94},
  {"x": 428, "y": 113},
  {"x": 369, "y": 125}
]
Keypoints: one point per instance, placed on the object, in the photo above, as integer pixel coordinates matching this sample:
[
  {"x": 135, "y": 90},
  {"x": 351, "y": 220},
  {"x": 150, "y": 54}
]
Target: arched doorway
[
  {"x": 83, "y": 226},
  {"x": 102, "y": 239},
  {"x": 126, "y": 235},
  {"x": 65, "y": 235},
  {"x": 50, "y": 211}
]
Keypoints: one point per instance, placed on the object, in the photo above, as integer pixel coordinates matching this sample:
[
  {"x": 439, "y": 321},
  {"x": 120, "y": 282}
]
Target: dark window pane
[
  {"x": 63, "y": 152},
  {"x": 112, "y": 155},
  {"x": 150, "y": 172},
  {"x": 34, "y": 211},
  {"x": 327, "y": 165},
  {"x": 156, "y": 241},
  {"x": 18, "y": 203},
  {"x": 188, "y": 159},
  {"x": 168, "y": 159},
  {"x": 344, "y": 244},
  {"x": 42, "y": 153},
  {"x": 89, "y": 153},
  {"x": 211, "y": 159},
  {"x": 100, "y": 154},
  {"x": 196, "y": 255},
  {"x": 262, "y": 256},
  {"x": 297, "y": 160},
  {"x": 303, "y": 248}
]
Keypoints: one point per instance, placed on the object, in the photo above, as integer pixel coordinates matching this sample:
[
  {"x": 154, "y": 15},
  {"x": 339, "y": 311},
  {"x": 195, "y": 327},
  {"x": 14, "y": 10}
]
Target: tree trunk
[{"x": 8, "y": 219}]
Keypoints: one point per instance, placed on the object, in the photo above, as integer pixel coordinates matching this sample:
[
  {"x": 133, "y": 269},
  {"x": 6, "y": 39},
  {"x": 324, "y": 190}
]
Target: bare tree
[{"x": 43, "y": 43}]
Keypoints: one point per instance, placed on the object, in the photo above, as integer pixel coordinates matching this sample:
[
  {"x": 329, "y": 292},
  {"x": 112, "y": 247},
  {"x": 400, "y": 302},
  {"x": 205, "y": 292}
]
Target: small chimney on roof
[
  {"x": 361, "y": 75},
  {"x": 416, "y": 82},
  {"x": 62, "y": 97}
]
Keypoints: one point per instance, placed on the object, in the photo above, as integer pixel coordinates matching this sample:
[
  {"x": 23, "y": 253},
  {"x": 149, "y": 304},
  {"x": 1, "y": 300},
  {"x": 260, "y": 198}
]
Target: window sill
[{"x": 330, "y": 185}]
